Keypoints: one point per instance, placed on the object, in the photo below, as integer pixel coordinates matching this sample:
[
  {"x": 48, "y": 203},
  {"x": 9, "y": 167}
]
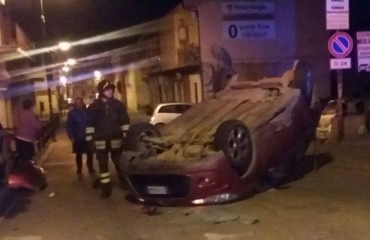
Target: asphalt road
[{"x": 329, "y": 202}]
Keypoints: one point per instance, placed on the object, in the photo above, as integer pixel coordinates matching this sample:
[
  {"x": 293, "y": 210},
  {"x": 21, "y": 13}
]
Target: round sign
[{"x": 340, "y": 44}]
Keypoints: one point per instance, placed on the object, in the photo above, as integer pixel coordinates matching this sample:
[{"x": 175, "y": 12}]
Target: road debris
[
  {"x": 150, "y": 210},
  {"x": 215, "y": 236}
]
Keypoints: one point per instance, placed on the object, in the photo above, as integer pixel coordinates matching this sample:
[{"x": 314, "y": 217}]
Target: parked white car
[{"x": 166, "y": 112}]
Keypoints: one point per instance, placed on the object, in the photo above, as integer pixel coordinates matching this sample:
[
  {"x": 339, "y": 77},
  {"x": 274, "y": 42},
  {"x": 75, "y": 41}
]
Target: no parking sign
[{"x": 340, "y": 45}]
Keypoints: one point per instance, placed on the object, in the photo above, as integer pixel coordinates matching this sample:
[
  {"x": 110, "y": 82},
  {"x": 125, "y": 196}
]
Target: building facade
[
  {"x": 178, "y": 78},
  {"x": 263, "y": 37},
  {"x": 16, "y": 77}
]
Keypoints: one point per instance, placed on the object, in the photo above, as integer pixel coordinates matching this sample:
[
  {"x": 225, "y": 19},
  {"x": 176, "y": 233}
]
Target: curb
[{"x": 45, "y": 154}]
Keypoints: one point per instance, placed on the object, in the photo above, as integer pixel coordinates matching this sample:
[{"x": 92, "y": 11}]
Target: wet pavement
[{"x": 328, "y": 202}]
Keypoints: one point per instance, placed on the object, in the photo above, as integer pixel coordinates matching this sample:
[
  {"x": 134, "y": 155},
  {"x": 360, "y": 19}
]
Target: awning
[{"x": 187, "y": 69}]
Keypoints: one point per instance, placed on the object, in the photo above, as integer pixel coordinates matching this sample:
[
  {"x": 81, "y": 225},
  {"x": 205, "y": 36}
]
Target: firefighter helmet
[{"x": 104, "y": 85}]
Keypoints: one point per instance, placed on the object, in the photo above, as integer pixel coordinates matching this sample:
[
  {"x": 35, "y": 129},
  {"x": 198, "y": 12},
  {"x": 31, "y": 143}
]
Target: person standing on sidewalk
[
  {"x": 107, "y": 126},
  {"x": 76, "y": 124},
  {"x": 26, "y": 132}
]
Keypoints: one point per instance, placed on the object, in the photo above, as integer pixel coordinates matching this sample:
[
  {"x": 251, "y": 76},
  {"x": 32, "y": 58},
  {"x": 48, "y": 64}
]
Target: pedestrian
[
  {"x": 76, "y": 125},
  {"x": 26, "y": 133},
  {"x": 107, "y": 125}
]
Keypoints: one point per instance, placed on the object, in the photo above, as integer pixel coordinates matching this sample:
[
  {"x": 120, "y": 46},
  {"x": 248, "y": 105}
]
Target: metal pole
[
  {"x": 43, "y": 28},
  {"x": 340, "y": 105}
]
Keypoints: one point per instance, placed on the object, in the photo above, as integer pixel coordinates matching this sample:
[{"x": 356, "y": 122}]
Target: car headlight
[{"x": 219, "y": 198}]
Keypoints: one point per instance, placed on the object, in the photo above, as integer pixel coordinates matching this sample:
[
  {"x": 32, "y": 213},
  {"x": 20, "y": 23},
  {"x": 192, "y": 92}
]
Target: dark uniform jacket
[
  {"x": 106, "y": 122},
  {"x": 76, "y": 124}
]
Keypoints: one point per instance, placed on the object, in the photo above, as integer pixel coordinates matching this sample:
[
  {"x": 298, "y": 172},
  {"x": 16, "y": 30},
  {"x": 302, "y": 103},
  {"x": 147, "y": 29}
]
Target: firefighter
[{"x": 106, "y": 128}]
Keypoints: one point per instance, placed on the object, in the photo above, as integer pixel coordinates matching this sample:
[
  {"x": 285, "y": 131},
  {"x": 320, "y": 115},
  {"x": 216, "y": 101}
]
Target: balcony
[{"x": 188, "y": 55}]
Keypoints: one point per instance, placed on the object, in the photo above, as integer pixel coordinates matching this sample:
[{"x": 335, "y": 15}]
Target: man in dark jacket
[
  {"x": 107, "y": 125},
  {"x": 76, "y": 125}
]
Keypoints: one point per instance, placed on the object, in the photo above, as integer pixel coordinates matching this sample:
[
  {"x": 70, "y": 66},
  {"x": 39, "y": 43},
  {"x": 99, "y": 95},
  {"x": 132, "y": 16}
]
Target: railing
[{"x": 47, "y": 132}]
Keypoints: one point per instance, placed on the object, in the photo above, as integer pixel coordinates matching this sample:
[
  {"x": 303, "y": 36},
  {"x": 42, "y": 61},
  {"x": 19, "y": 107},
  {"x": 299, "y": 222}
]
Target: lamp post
[{"x": 43, "y": 35}]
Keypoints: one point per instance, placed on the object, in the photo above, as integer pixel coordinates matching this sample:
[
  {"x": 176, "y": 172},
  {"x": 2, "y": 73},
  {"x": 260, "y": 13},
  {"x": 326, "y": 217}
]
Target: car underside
[{"x": 222, "y": 148}]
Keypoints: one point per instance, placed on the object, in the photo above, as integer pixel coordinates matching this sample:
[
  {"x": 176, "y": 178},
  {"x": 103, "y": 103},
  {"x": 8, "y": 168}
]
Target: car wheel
[
  {"x": 134, "y": 139},
  {"x": 303, "y": 80},
  {"x": 233, "y": 138}
]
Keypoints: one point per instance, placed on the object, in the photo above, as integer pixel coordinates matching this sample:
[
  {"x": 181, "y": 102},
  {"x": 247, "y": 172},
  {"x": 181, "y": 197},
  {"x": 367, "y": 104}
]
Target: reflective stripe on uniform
[
  {"x": 105, "y": 85},
  {"x": 105, "y": 180},
  {"x": 89, "y": 138},
  {"x": 125, "y": 127},
  {"x": 116, "y": 143},
  {"x": 104, "y": 175},
  {"x": 100, "y": 145},
  {"x": 90, "y": 130}
]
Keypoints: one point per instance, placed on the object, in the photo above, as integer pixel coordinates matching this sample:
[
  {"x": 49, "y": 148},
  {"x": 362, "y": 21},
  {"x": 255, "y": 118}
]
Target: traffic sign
[
  {"x": 340, "y": 63},
  {"x": 337, "y": 14},
  {"x": 340, "y": 44}
]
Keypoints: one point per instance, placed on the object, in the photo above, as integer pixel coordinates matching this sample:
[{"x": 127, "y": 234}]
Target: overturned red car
[{"x": 223, "y": 148}]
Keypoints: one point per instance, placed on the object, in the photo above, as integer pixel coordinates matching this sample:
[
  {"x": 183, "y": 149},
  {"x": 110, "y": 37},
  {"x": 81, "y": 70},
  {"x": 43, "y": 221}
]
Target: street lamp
[
  {"x": 97, "y": 75},
  {"x": 63, "y": 80},
  {"x": 43, "y": 33},
  {"x": 65, "y": 69},
  {"x": 64, "y": 46},
  {"x": 71, "y": 61}
]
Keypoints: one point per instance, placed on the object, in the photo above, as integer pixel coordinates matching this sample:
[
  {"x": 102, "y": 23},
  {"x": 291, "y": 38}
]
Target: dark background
[{"x": 76, "y": 19}]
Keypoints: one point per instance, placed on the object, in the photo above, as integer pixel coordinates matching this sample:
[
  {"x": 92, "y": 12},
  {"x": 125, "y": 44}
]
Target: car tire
[
  {"x": 234, "y": 139},
  {"x": 303, "y": 80},
  {"x": 133, "y": 140}
]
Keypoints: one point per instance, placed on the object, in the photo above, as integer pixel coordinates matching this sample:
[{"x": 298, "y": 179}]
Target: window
[
  {"x": 174, "y": 108},
  {"x": 181, "y": 108},
  {"x": 167, "y": 109}
]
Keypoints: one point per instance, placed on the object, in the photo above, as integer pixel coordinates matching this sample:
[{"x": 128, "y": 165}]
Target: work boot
[{"x": 106, "y": 190}]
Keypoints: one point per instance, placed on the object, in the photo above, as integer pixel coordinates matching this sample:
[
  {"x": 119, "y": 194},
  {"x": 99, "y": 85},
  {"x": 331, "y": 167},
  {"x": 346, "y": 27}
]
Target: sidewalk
[{"x": 8, "y": 197}]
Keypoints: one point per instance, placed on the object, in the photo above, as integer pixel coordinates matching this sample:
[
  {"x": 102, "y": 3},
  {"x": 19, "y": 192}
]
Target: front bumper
[{"x": 209, "y": 183}]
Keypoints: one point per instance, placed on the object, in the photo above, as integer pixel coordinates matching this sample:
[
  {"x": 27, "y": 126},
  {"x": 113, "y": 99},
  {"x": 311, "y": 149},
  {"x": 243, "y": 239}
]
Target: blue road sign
[{"x": 340, "y": 44}]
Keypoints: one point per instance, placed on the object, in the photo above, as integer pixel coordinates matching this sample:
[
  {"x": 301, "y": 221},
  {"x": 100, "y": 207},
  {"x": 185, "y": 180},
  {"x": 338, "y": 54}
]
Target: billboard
[{"x": 363, "y": 51}]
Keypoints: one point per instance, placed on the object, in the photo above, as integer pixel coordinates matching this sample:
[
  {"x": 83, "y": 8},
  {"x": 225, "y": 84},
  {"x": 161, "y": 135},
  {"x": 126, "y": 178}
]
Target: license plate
[{"x": 157, "y": 190}]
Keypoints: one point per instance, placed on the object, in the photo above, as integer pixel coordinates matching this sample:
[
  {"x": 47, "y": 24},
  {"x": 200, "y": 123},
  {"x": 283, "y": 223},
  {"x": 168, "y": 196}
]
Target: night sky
[{"x": 77, "y": 19}]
